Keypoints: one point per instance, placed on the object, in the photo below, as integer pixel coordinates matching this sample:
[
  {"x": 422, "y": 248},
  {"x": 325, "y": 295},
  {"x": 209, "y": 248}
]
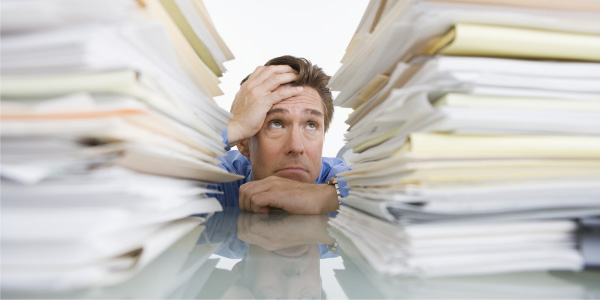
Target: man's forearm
[{"x": 291, "y": 196}]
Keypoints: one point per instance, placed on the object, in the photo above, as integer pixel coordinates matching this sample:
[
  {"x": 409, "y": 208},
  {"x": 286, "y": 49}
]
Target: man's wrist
[
  {"x": 333, "y": 181},
  {"x": 233, "y": 136},
  {"x": 330, "y": 202}
]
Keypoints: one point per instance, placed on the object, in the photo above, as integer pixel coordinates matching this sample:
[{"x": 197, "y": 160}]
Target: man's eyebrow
[
  {"x": 313, "y": 112},
  {"x": 309, "y": 111},
  {"x": 278, "y": 110}
]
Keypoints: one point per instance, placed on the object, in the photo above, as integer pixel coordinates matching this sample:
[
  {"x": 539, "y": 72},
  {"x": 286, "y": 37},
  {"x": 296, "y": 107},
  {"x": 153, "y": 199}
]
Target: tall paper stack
[
  {"x": 109, "y": 136},
  {"x": 472, "y": 112}
]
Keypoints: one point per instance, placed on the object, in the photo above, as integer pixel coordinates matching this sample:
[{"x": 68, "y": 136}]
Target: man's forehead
[
  {"x": 290, "y": 106},
  {"x": 309, "y": 99}
]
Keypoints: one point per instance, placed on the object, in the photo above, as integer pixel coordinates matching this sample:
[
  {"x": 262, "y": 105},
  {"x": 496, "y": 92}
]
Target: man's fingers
[
  {"x": 256, "y": 73},
  {"x": 248, "y": 190},
  {"x": 258, "y": 196},
  {"x": 243, "y": 198},
  {"x": 260, "y": 202},
  {"x": 273, "y": 82},
  {"x": 283, "y": 92},
  {"x": 263, "y": 73}
]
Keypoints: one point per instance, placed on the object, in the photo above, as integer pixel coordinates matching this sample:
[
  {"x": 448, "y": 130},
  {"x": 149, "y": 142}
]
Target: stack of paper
[
  {"x": 474, "y": 110},
  {"x": 109, "y": 136}
]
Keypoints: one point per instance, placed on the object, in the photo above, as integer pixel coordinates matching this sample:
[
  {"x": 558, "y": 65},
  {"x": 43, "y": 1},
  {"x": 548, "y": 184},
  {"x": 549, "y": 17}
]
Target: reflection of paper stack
[
  {"x": 171, "y": 265},
  {"x": 523, "y": 285},
  {"x": 177, "y": 273},
  {"x": 445, "y": 248},
  {"x": 109, "y": 136},
  {"x": 468, "y": 111}
]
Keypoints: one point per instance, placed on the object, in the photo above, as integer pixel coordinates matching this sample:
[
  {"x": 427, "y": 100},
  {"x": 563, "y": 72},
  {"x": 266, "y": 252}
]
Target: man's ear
[{"x": 243, "y": 148}]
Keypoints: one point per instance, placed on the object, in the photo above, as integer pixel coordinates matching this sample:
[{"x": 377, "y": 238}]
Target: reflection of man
[
  {"x": 280, "y": 116},
  {"x": 291, "y": 273},
  {"x": 280, "y": 252}
]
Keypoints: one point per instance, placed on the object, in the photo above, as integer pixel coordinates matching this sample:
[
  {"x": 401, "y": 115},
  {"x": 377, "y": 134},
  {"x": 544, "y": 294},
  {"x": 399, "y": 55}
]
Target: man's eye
[
  {"x": 311, "y": 126},
  {"x": 275, "y": 124}
]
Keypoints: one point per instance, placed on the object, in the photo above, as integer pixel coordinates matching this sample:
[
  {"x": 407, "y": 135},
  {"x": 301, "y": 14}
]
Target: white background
[{"x": 258, "y": 30}]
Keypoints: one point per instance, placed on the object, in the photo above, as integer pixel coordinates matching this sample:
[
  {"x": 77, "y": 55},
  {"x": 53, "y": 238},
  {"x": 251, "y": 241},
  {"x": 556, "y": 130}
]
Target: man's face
[
  {"x": 290, "y": 143},
  {"x": 291, "y": 273}
]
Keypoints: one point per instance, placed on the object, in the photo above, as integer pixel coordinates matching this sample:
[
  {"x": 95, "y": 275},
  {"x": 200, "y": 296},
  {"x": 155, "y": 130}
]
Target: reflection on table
[
  {"x": 360, "y": 281},
  {"x": 283, "y": 256},
  {"x": 279, "y": 253}
]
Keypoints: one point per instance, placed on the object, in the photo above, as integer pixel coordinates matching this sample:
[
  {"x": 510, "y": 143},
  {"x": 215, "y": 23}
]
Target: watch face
[{"x": 332, "y": 181}]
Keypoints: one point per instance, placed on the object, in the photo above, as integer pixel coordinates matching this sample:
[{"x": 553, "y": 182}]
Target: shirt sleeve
[
  {"x": 222, "y": 228},
  {"x": 224, "y": 135},
  {"x": 234, "y": 162}
]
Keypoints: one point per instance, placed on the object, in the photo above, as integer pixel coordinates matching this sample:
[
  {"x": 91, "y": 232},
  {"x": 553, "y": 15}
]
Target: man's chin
[{"x": 294, "y": 175}]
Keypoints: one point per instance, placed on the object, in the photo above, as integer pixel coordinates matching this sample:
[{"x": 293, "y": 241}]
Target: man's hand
[
  {"x": 265, "y": 87},
  {"x": 292, "y": 196}
]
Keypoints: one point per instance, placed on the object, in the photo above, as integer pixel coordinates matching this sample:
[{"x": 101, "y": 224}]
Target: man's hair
[{"x": 308, "y": 75}]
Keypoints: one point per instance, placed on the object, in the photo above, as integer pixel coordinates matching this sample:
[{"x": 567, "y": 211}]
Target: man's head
[
  {"x": 309, "y": 75},
  {"x": 290, "y": 142},
  {"x": 291, "y": 273}
]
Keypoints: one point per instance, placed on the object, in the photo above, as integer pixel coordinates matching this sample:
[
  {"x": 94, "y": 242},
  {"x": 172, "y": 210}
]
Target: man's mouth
[
  {"x": 292, "y": 170},
  {"x": 294, "y": 251}
]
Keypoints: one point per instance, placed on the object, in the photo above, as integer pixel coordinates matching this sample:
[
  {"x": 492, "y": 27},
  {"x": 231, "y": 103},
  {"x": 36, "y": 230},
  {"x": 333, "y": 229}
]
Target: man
[{"x": 280, "y": 116}]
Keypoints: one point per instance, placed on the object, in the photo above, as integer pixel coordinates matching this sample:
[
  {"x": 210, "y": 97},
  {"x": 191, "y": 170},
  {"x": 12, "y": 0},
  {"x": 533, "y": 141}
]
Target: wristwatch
[
  {"x": 333, "y": 181},
  {"x": 333, "y": 248}
]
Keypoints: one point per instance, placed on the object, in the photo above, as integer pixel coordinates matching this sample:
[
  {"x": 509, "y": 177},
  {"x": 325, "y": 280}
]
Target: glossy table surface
[{"x": 245, "y": 255}]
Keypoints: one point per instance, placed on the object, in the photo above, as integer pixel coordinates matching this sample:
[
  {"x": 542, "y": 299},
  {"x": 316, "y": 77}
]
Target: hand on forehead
[
  {"x": 307, "y": 99},
  {"x": 265, "y": 87}
]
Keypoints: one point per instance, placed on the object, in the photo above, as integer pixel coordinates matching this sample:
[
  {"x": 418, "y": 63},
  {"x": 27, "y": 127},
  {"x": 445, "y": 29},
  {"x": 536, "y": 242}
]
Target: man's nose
[{"x": 295, "y": 142}]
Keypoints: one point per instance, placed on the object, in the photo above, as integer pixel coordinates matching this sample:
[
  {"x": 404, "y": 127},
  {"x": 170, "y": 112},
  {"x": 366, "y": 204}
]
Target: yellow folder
[
  {"x": 504, "y": 41},
  {"x": 514, "y": 102},
  {"x": 524, "y": 145},
  {"x": 190, "y": 36}
]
